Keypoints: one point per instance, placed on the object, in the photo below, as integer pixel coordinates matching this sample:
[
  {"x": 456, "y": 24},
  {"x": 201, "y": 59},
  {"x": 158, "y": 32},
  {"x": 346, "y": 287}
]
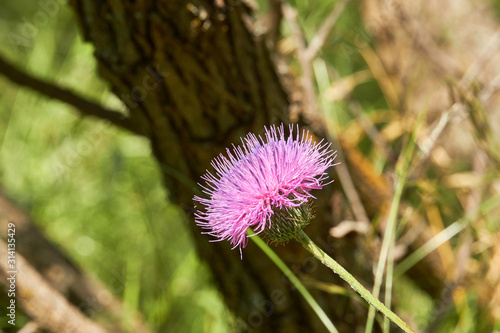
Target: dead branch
[
  {"x": 57, "y": 269},
  {"x": 86, "y": 107},
  {"x": 45, "y": 305},
  {"x": 319, "y": 39},
  {"x": 310, "y": 105}
]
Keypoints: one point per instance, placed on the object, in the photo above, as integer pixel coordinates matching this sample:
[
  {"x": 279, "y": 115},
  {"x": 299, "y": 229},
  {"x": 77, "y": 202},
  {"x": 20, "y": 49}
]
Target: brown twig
[
  {"x": 30, "y": 327},
  {"x": 350, "y": 190},
  {"x": 310, "y": 106},
  {"x": 319, "y": 39},
  {"x": 370, "y": 130},
  {"x": 438, "y": 127},
  {"x": 86, "y": 107},
  {"x": 45, "y": 305},
  {"x": 472, "y": 72},
  {"x": 469, "y": 76},
  {"x": 309, "y": 103},
  {"x": 274, "y": 18},
  {"x": 58, "y": 270},
  {"x": 482, "y": 59}
]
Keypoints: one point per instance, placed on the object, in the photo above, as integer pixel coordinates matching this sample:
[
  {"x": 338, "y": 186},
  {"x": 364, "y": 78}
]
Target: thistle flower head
[{"x": 259, "y": 181}]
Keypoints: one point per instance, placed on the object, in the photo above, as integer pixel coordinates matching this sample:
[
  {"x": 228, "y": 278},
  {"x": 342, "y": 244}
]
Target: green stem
[
  {"x": 402, "y": 170},
  {"x": 294, "y": 280},
  {"x": 346, "y": 276},
  {"x": 388, "y": 237},
  {"x": 388, "y": 281}
]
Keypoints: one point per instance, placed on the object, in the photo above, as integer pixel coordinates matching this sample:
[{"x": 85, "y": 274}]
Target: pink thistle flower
[{"x": 259, "y": 178}]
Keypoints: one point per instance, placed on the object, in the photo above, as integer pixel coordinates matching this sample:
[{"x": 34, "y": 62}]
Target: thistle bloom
[
  {"x": 261, "y": 179},
  {"x": 265, "y": 185}
]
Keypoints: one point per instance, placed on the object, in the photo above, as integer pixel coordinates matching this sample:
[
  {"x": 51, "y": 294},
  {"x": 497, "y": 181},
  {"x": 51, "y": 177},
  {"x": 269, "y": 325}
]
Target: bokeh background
[{"x": 97, "y": 193}]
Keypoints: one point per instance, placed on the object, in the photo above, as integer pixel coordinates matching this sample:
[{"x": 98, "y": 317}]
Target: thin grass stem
[
  {"x": 346, "y": 276},
  {"x": 294, "y": 280},
  {"x": 388, "y": 282},
  {"x": 402, "y": 168}
]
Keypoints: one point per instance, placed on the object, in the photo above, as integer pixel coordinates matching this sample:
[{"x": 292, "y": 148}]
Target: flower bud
[{"x": 287, "y": 222}]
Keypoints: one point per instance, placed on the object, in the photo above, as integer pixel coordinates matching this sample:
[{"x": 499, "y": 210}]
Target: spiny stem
[{"x": 346, "y": 276}]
